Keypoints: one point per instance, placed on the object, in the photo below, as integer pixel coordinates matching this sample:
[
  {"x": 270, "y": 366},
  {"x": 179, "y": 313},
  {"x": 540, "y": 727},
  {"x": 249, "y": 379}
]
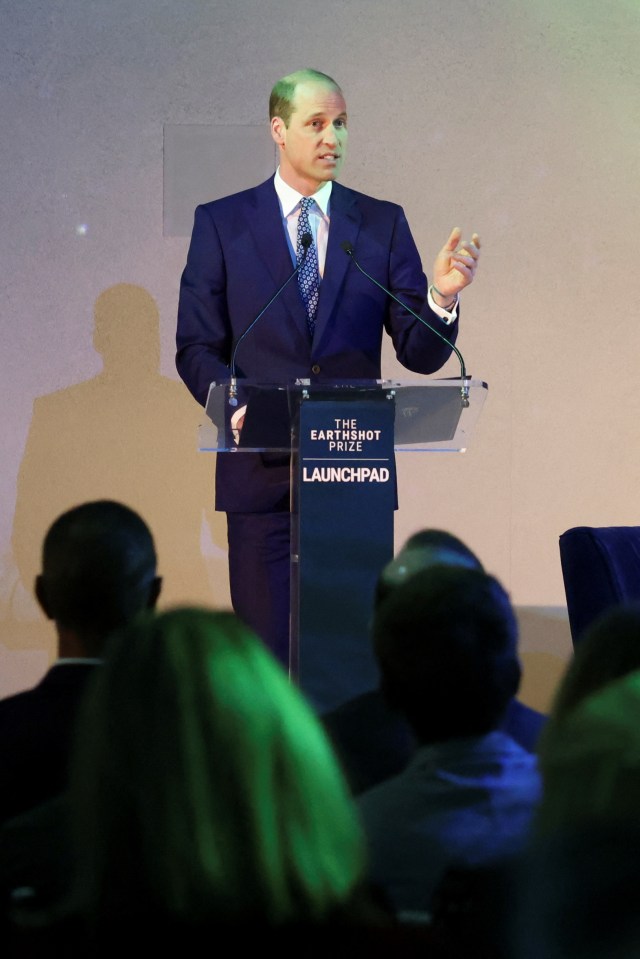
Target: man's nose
[{"x": 330, "y": 135}]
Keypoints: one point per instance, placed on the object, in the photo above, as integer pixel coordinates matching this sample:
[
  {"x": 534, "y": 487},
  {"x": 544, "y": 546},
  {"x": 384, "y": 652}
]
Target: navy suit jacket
[{"x": 238, "y": 258}]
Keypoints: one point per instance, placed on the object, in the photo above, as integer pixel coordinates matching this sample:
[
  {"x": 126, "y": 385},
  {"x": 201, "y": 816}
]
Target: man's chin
[{"x": 331, "y": 172}]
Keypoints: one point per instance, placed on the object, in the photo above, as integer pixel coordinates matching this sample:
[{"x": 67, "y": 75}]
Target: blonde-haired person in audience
[{"x": 204, "y": 787}]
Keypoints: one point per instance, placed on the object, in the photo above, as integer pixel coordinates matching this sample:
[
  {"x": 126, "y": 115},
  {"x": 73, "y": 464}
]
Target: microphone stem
[
  {"x": 253, "y": 322},
  {"x": 463, "y": 370},
  {"x": 306, "y": 241}
]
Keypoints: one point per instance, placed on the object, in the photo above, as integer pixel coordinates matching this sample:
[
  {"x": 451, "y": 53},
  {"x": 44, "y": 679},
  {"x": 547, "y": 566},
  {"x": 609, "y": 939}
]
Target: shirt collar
[
  {"x": 75, "y": 660},
  {"x": 290, "y": 198},
  {"x": 494, "y": 743}
]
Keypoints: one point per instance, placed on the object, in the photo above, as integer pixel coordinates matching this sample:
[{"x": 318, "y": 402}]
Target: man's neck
[
  {"x": 289, "y": 196},
  {"x": 75, "y": 645},
  {"x": 303, "y": 187}
]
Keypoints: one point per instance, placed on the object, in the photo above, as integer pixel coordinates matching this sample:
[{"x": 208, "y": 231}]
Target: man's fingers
[
  {"x": 463, "y": 268},
  {"x": 454, "y": 239},
  {"x": 471, "y": 247},
  {"x": 468, "y": 249}
]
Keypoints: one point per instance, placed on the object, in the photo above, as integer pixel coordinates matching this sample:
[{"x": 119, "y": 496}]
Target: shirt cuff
[{"x": 447, "y": 316}]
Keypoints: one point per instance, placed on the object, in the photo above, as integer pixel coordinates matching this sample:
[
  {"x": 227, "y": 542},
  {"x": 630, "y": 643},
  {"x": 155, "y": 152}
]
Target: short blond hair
[{"x": 284, "y": 91}]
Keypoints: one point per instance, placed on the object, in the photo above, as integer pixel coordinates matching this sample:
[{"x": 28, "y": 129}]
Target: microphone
[
  {"x": 306, "y": 241},
  {"x": 464, "y": 390}
]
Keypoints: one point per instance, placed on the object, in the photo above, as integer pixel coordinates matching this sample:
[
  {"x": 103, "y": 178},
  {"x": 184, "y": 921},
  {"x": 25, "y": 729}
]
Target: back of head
[
  {"x": 204, "y": 784},
  {"x": 440, "y": 539},
  {"x": 446, "y": 642},
  {"x": 590, "y": 761},
  {"x": 424, "y": 549},
  {"x": 98, "y": 569},
  {"x": 609, "y": 650}
]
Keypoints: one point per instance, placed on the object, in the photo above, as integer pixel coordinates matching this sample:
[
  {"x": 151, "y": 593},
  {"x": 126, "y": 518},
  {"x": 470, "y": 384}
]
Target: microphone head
[
  {"x": 306, "y": 240},
  {"x": 347, "y": 247}
]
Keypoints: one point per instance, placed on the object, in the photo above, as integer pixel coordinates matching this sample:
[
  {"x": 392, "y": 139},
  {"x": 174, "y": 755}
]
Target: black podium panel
[{"x": 343, "y": 536}]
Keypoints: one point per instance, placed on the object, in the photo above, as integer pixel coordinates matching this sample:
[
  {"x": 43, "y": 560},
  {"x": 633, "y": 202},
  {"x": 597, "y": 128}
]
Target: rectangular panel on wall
[{"x": 204, "y": 161}]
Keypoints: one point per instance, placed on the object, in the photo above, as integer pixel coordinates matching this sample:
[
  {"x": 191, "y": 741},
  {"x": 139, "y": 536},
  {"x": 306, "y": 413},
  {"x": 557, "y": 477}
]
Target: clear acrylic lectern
[{"x": 342, "y": 438}]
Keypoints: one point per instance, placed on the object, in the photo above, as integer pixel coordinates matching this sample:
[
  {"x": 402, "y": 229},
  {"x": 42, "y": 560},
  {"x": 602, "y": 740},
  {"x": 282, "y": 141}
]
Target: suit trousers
[{"x": 259, "y": 575}]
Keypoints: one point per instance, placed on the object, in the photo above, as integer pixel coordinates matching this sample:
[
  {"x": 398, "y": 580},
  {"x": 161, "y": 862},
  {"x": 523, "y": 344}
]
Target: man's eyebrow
[{"x": 322, "y": 113}]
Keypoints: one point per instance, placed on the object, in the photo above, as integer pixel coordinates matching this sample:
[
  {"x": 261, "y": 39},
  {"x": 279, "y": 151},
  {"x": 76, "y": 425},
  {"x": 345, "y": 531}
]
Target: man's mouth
[{"x": 329, "y": 156}]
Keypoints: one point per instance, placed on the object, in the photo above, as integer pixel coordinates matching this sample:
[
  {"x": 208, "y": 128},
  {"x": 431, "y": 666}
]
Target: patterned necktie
[{"x": 308, "y": 276}]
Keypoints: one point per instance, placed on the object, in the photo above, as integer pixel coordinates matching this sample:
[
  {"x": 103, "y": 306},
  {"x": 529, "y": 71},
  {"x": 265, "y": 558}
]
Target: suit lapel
[
  {"x": 265, "y": 223},
  {"x": 345, "y": 226}
]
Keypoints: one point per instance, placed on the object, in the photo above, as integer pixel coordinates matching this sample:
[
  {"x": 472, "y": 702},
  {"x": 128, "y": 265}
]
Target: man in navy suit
[{"x": 242, "y": 250}]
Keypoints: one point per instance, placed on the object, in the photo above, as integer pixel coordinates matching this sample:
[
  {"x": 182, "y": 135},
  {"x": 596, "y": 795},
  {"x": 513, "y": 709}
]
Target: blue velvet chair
[{"x": 601, "y": 569}]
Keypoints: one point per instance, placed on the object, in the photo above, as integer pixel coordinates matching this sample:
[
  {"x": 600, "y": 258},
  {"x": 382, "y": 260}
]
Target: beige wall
[{"x": 516, "y": 119}]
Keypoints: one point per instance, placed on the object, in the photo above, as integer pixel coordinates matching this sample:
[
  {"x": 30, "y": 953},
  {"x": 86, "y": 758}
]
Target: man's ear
[
  {"x": 154, "y": 592},
  {"x": 278, "y": 130},
  {"x": 40, "y": 590}
]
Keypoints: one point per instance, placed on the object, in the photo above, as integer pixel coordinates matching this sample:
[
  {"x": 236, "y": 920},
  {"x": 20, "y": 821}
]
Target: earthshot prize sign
[
  {"x": 344, "y": 435},
  {"x": 346, "y": 500}
]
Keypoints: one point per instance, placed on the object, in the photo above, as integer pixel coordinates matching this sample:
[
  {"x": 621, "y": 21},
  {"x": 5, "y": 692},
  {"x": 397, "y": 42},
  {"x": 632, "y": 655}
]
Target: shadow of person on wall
[{"x": 127, "y": 434}]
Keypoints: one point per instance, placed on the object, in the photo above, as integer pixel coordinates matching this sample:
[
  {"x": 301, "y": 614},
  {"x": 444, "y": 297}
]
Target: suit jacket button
[{"x": 315, "y": 368}]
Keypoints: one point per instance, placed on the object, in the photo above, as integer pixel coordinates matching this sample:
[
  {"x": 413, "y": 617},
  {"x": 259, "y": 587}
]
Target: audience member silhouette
[
  {"x": 602, "y": 677},
  {"x": 609, "y": 649},
  {"x": 446, "y": 641},
  {"x": 578, "y": 882},
  {"x": 206, "y": 796},
  {"x": 203, "y": 784},
  {"x": 98, "y": 572},
  {"x": 577, "y": 895},
  {"x": 373, "y": 740},
  {"x": 590, "y": 761},
  {"x": 573, "y": 892}
]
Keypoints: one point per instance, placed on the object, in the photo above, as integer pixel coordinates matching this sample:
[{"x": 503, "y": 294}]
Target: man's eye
[{"x": 341, "y": 123}]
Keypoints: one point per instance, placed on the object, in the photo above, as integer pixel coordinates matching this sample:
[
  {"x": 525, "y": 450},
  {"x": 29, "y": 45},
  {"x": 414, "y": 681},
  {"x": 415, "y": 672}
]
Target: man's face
[{"x": 314, "y": 145}]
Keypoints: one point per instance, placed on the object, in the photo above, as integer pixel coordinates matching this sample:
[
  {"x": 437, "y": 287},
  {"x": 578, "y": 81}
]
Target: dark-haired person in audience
[
  {"x": 374, "y": 740},
  {"x": 590, "y": 751},
  {"x": 446, "y": 642},
  {"x": 579, "y": 880},
  {"x": 574, "y": 890},
  {"x": 609, "y": 649},
  {"x": 98, "y": 572}
]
